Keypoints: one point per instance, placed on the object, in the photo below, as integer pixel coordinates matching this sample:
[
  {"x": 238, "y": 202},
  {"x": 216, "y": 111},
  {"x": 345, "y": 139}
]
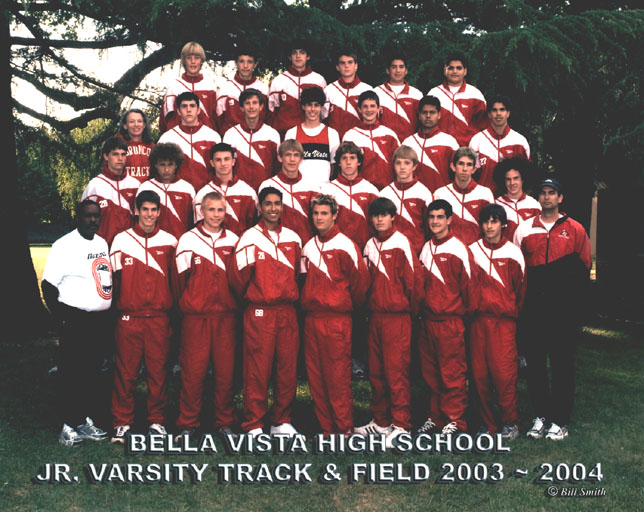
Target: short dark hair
[
  {"x": 311, "y": 95},
  {"x": 440, "y": 204},
  {"x": 456, "y": 56},
  {"x": 348, "y": 52},
  {"x": 344, "y": 148},
  {"x": 146, "y": 136},
  {"x": 220, "y": 147},
  {"x": 396, "y": 56},
  {"x": 166, "y": 151},
  {"x": 493, "y": 211},
  {"x": 299, "y": 44},
  {"x": 499, "y": 98},
  {"x": 245, "y": 50},
  {"x": 521, "y": 165},
  {"x": 114, "y": 143},
  {"x": 429, "y": 100},
  {"x": 147, "y": 196},
  {"x": 382, "y": 206},
  {"x": 266, "y": 191},
  {"x": 82, "y": 204},
  {"x": 368, "y": 95},
  {"x": 186, "y": 96},
  {"x": 248, "y": 93}
]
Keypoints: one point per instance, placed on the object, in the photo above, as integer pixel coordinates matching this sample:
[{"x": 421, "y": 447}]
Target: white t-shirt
[{"x": 81, "y": 271}]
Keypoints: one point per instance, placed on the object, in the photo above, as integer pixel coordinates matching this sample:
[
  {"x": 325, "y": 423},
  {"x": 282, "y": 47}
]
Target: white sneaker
[
  {"x": 450, "y": 428},
  {"x": 255, "y": 432},
  {"x": 538, "y": 428},
  {"x": 372, "y": 428},
  {"x": 557, "y": 433},
  {"x": 428, "y": 427},
  {"x": 157, "y": 428},
  {"x": 69, "y": 437},
  {"x": 284, "y": 428},
  {"x": 120, "y": 433},
  {"x": 393, "y": 434},
  {"x": 90, "y": 431}
]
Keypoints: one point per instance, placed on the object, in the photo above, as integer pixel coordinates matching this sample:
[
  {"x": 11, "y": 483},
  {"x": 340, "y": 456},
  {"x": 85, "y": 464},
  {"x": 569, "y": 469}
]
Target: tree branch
[
  {"x": 105, "y": 112},
  {"x": 66, "y": 43}
]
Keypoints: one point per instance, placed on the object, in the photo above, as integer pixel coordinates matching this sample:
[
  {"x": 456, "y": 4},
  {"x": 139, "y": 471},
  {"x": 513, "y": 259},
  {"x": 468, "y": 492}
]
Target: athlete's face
[
  {"x": 246, "y": 66},
  {"x": 270, "y": 210},
  {"x": 312, "y": 111},
  {"x": 549, "y": 199},
  {"x": 499, "y": 115},
  {"x": 134, "y": 125},
  {"x": 438, "y": 223},
  {"x": 404, "y": 169},
  {"x": 115, "y": 160},
  {"x": 88, "y": 221},
  {"x": 455, "y": 73},
  {"x": 463, "y": 170},
  {"x": 397, "y": 71},
  {"x": 382, "y": 222},
  {"x": 148, "y": 216},
  {"x": 192, "y": 63},
  {"x": 223, "y": 163},
  {"x": 492, "y": 230},
  {"x": 349, "y": 165},
  {"x": 369, "y": 111},
  {"x": 252, "y": 108},
  {"x": 428, "y": 116},
  {"x": 347, "y": 68},
  {"x": 214, "y": 212},
  {"x": 290, "y": 161},
  {"x": 299, "y": 59},
  {"x": 514, "y": 184},
  {"x": 323, "y": 219},
  {"x": 189, "y": 113},
  {"x": 166, "y": 169}
]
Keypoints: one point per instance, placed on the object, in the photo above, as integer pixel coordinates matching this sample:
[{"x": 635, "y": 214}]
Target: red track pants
[
  {"x": 137, "y": 338},
  {"x": 270, "y": 335},
  {"x": 205, "y": 338},
  {"x": 389, "y": 359},
  {"x": 327, "y": 352},
  {"x": 443, "y": 364},
  {"x": 493, "y": 354}
]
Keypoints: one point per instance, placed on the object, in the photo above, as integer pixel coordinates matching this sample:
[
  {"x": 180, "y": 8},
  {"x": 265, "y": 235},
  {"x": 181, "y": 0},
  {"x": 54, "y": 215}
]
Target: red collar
[
  {"x": 245, "y": 127},
  {"x": 329, "y": 234},
  {"x": 291, "y": 181},
  {"x": 349, "y": 85},
  {"x": 264, "y": 229},
  {"x": 493, "y": 247},
  {"x": 361, "y": 124},
  {"x": 471, "y": 186},
  {"x": 405, "y": 186},
  {"x": 203, "y": 231},
  {"x": 493, "y": 133},
  {"x": 510, "y": 200},
  {"x": 447, "y": 87},
  {"x": 218, "y": 182},
  {"x": 442, "y": 240},
  {"x": 137, "y": 229},
  {"x": 383, "y": 237},
  {"x": 241, "y": 81},
  {"x": 431, "y": 133},
  {"x": 345, "y": 181},
  {"x": 192, "y": 79},
  {"x": 190, "y": 129},
  {"x": 294, "y": 72},
  {"x": 109, "y": 174},
  {"x": 159, "y": 182},
  {"x": 405, "y": 89}
]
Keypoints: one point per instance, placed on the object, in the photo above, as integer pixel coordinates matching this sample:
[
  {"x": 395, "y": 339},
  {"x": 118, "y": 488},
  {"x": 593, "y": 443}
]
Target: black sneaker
[{"x": 90, "y": 431}]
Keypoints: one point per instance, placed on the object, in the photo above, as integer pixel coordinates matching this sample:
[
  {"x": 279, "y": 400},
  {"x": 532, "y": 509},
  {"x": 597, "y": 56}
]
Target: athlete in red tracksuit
[
  {"x": 176, "y": 195},
  {"x": 341, "y": 109},
  {"x": 286, "y": 88},
  {"x": 142, "y": 259},
  {"x": 448, "y": 296},
  {"x": 336, "y": 282},
  {"x": 466, "y": 197},
  {"x": 113, "y": 190},
  {"x": 192, "y": 80},
  {"x": 500, "y": 278},
  {"x": 396, "y": 287},
  {"x": 135, "y": 131},
  {"x": 265, "y": 275},
  {"x": 410, "y": 197},
  {"x": 463, "y": 110},
  {"x": 204, "y": 258},
  {"x": 435, "y": 149}
]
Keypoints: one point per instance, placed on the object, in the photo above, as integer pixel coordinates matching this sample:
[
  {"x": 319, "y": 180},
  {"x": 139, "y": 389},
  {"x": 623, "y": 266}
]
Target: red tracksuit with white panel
[
  {"x": 396, "y": 288},
  {"x": 463, "y": 112},
  {"x": 144, "y": 262},
  {"x": 411, "y": 200},
  {"x": 448, "y": 295},
  {"x": 435, "y": 151},
  {"x": 203, "y": 87},
  {"x": 265, "y": 275},
  {"x": 466, "y": 205},
  {"x": 491, "y": 149},
  {"x": 284, "y": 96},
  {"x": 137, "y": 162},
  {"x": 296, "y": 201},
  {"x": 336, "y": 283},
  {"x": 203, "y": 262},
  {"x": 256, "y": 151},
  {"x": 517, "y": 210},
  {"x": 229, "y": 112},
  {"x": 353, "y": 199},
  {"x": 176, "y": 204},
  {"x": 500, "y": 278},
  {"x": 341, "y": 109},
  {"x": 319, "y": 145},
  {"x": 115, "y": 196},
  {"x": 241, "y": 203},
  {"x": 399, "y": 110},
  {"x": 378, "y": 144},
  {"x": 195, "y": 142}
]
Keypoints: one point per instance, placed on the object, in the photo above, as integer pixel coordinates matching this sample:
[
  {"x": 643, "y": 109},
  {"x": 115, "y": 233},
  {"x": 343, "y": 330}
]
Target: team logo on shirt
[
  {"x": 440, "y": 258},
  {"x": 102, "y": 273},
  {"x": 564, "y": 234},
  {"x": 231, "y": 102},
  {"x": 197, "y": 260},
  {"x": 283, "y": 97},
  {"x": 236, "y": 201}
]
